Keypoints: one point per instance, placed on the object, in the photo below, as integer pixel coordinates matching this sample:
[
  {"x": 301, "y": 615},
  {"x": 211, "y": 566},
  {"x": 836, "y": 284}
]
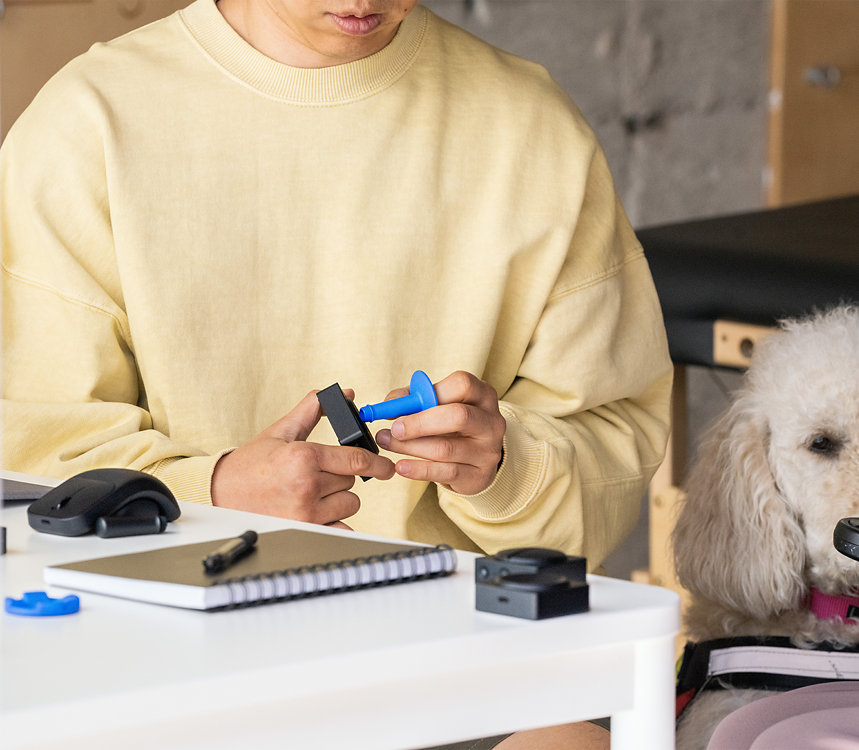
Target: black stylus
[{"x": 229, "y": 552}]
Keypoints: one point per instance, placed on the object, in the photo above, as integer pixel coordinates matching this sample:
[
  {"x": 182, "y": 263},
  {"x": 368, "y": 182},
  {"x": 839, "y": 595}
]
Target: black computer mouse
[{"x": 111, "y": 502}]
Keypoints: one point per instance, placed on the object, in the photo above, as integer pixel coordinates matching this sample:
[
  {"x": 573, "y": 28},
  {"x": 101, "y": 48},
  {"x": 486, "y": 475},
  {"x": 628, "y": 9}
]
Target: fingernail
[
  {"x": 398, "y": 430},
  {"x": 383, "y": 438},
  {"x": 404, "y": 468}
]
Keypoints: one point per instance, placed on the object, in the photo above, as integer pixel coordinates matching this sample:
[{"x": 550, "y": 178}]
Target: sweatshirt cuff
[
  {"x": 519, "y": 479},
  {"x": 189, "y": 479}
]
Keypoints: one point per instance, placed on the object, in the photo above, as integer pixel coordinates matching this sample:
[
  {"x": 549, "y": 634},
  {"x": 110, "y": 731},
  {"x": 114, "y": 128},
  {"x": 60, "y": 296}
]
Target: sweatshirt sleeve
[
  {"x": 72, "y": 398},
  {"x": 588, "y": 411}
]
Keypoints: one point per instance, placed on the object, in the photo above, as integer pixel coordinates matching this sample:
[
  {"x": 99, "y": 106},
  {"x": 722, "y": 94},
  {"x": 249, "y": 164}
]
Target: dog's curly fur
[{"x": 771, "y": 480}]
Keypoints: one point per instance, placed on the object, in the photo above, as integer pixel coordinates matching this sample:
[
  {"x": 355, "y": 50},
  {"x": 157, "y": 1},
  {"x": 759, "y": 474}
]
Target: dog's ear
[{"x": 736, "y": 541}]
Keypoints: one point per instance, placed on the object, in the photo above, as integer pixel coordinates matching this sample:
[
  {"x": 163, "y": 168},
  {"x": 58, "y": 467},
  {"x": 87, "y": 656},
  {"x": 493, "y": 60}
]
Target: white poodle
[{"x": 771, "y": 480}]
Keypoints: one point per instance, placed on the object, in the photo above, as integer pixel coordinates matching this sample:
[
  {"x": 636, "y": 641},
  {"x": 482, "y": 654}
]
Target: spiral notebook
[{"x": 286, "y": 564}]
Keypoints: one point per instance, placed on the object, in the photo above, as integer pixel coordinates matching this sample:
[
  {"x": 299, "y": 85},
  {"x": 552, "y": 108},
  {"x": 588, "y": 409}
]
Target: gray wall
[{"x": 676, "y": 90}]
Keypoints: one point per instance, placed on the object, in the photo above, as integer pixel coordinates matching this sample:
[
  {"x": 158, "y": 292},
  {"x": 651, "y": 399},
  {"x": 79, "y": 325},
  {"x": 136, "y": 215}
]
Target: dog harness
[
  {"x": 770, "y": 662},
  {"x": 760, "y": 662}
]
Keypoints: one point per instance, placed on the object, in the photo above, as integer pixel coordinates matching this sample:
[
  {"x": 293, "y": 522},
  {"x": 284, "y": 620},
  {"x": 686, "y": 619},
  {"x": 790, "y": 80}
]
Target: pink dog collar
[{"x": 829, "y": 606}]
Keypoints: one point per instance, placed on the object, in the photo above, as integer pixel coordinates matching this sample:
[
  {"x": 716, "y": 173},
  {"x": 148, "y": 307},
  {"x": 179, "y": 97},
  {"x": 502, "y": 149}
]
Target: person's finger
[
  {"x": 332, "y": 509},
  {"x": 444, "y": 449},
  {"x": 328, "y": 509},
  {"x": 305, "y": 415},
  {"x": 447, "y": 419},
  {"x": 459, "y": 386},
  {"x": 339, "y": 525},
  {"x": 483, "y": 456},
  {"x": 461, "y": 478},
  {"x": 344, "y": 460},
  {"x": 463, "y": 387},
  {"x": 298, "y": 423},
  {"x": 397, "y": 393}
]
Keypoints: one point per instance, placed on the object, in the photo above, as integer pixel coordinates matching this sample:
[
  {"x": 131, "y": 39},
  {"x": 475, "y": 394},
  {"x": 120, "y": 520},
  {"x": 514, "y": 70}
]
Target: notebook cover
[
  {"x": 17, "y": 486},
  {"x": 175, "y": 575}
]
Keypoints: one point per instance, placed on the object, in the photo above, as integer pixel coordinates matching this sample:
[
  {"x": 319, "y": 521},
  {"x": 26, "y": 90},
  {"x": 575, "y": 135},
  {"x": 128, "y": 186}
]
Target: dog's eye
[{"x": 824, "y": 444}]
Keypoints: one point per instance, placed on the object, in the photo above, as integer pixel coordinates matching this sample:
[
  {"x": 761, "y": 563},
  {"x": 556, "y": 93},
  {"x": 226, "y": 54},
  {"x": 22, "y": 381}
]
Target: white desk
[{"x": 382, "y": 669}]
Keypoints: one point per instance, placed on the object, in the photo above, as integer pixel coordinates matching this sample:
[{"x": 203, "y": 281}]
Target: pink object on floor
[{"x": 817, "y": 717}]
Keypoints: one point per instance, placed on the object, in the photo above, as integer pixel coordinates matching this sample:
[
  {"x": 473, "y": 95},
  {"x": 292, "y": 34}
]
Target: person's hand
[
  {"x": 279, "y": 474},
  {"x": 460, "y": 440}
]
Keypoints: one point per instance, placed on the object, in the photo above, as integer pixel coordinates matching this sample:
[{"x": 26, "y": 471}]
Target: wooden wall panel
[
  {"x": 38, "y": 37},
  {"x": 814, "y": 100}
]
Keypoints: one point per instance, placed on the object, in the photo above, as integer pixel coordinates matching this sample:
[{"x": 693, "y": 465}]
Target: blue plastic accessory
[
  {"x": 39, "y": 604},
  {"x": 421, "y": 396}
]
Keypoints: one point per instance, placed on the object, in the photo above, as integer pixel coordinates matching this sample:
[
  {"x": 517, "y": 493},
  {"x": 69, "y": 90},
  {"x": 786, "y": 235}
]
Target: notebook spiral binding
[{"x": 357, "y": 573}]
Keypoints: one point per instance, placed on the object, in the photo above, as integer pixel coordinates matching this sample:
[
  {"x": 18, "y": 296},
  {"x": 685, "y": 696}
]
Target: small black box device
[
  {"x": 347, "y": 425},
  {"x": 531, "y": 582},
  {"x": 529, "y": 560},
  {"x": 345, "y": 421},
  {"x": 534, "y": 596}
]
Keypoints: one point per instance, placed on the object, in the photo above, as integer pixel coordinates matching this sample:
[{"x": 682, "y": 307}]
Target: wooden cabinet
[
  {"x": 38, "y": 37},
  {"x": 814, "y": 100}
]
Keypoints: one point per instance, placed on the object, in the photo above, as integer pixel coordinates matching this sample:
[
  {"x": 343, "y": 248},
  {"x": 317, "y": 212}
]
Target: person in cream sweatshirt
[{"x": 207, "y": 219}]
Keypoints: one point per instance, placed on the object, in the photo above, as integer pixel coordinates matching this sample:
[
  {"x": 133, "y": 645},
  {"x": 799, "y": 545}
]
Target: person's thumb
[{"x": 299, "y": 423}]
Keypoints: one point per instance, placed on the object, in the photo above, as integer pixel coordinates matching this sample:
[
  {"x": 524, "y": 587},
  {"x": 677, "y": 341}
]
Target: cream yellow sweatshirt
[{"x": 194, "y": 236}]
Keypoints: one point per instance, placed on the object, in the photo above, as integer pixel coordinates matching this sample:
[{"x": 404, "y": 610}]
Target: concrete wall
[{"x": 676, "y": 90}]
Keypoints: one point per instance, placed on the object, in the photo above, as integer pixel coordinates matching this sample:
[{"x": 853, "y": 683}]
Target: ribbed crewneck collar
[{"x": 338, "y": 84}]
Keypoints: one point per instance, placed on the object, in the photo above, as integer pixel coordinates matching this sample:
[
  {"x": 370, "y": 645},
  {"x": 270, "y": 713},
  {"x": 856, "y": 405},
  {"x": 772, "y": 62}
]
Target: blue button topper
[
  {"x": 421, "y": 396},
  {"x": 39, "y": 604}
]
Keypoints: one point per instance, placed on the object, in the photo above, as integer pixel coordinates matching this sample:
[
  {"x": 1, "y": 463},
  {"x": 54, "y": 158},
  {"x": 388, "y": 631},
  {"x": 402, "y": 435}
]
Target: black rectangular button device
[{"x": 343, "y": 416}]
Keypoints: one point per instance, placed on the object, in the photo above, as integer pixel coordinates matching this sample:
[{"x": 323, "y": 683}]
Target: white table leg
[{"x": 649, "y": 725}]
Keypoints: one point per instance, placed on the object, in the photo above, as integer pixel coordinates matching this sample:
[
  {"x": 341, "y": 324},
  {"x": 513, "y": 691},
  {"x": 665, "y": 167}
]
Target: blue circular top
[{"x": 421, "y": 386}]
